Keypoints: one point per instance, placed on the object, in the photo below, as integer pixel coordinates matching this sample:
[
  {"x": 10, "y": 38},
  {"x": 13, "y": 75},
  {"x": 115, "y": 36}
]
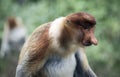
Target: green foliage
[{"x": 104, "y": 58}]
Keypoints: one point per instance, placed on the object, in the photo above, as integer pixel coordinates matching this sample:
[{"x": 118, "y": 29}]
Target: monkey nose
[{"x": 94, "y": 41}]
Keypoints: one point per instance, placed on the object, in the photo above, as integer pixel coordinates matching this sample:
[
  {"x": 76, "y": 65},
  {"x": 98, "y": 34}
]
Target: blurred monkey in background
[{"x": 14, "y": 36}]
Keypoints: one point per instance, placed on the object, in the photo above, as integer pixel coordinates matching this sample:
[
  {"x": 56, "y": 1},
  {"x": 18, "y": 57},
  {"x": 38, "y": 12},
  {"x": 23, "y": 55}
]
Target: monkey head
[{"x": 82, "y": 26}]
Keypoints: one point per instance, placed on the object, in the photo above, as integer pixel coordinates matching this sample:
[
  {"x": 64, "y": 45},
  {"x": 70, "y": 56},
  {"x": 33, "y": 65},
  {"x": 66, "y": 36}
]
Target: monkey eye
[{"x": 87, "y": 26}]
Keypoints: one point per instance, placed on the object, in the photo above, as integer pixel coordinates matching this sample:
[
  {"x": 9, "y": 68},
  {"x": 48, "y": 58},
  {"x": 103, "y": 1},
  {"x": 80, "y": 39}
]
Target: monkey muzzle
[
  {"x": 87, "y": 43},
  {"x": 91, "y": 41}
]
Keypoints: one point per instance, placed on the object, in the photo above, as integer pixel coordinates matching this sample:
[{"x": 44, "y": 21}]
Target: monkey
[
  {"x": 56, "y": 49},
  {"x": 14, "y": 35}
]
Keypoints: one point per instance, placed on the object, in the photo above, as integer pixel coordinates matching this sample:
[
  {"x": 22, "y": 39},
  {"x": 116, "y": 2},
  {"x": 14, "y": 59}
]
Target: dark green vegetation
[{"x": 104, "y": 58}]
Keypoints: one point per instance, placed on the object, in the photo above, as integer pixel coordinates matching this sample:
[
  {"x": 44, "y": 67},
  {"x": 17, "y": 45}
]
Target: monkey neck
[
  {"x": 66, "y": 42},
  {"x": 61, "y": 36},
  {"x": 65, "y": 38}
]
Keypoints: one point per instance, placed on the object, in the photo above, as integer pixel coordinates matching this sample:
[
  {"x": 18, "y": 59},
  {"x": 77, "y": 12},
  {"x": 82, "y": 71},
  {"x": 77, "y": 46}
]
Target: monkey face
[
  {"x": 84, "y": 26},
  {"x": 88, "y": 37}
]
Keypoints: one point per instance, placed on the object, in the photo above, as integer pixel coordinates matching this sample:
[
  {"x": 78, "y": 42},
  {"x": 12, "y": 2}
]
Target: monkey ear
[{"x": 68, "y": 22}]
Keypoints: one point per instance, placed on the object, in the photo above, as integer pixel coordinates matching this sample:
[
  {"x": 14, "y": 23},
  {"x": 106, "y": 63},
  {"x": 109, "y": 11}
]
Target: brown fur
[
  {"x": 37, "y": 44},
  {"x": 40, "y": 46},
  {"x": 40, "y": 50}
]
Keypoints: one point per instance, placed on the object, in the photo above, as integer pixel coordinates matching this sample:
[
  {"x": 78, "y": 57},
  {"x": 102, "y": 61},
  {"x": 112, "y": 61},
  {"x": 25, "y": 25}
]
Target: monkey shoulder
[
  {"x": 37, "y": 34},
  {"x": 40, "y": 30},
  {"x": 35, "y": 43}
]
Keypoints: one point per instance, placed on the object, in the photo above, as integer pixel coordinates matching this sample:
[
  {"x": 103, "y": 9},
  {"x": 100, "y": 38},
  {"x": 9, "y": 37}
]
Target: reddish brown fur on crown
[
  {"x": 12, "y": 22},
  {"x": 82, "y": 19}
]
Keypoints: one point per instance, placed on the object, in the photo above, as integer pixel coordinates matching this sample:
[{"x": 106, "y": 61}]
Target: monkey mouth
[{"x": 87, "y": 43}]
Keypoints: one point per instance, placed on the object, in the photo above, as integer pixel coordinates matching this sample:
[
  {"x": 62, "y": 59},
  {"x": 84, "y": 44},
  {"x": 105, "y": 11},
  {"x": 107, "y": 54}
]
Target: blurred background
[{"x": 104, "y": 58}]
